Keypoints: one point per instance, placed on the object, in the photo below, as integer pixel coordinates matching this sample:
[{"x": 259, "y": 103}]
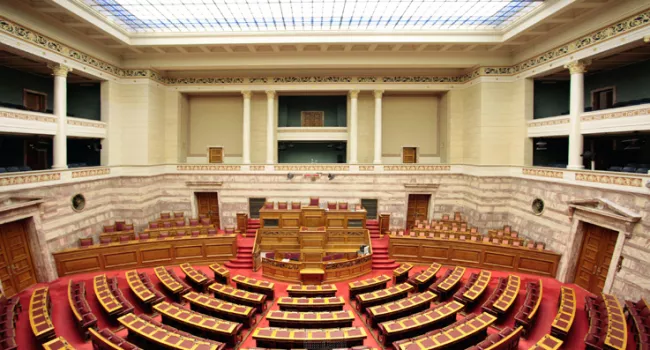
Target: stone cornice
[{"x": 624, "y": 26}]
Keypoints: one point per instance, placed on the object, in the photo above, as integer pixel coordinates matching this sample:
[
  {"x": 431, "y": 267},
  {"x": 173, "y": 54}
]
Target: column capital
[
  {"x": 646, "y": 39},
  {"x": 578, "y": 67},
  {"x": 378, "y": 93},
  {"x": 59, "y": 70},
  {"x": 247, "y": 93},
  {"x": 270, "y": 94},
  {"x": 354, "y": 93}
]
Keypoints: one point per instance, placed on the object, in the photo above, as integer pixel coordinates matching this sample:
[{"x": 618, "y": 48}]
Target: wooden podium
[{"x": 312, "y": 275}]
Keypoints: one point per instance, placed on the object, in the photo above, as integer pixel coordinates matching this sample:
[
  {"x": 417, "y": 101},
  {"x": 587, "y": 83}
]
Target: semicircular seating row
[{"x": 312, "y": 316}]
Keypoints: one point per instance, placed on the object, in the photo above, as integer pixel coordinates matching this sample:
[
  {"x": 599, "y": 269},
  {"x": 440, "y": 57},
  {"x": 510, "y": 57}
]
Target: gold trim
[
  {"x": 417, "y": 167},
  {"x": 28, "y": 179},
  {"x": 208, "y": 167},
  {"x": 90, "y": 172},
  {"x": 610, "y": 179},
  {"x": 311, "y": 167},
  {"x": 87, "y": 123},
  {"x": 615, "y": 115},
  {"x": 28, "y": 117},
  {"x": 564, "y": 120},
  {"x": 543, "y": 173}
]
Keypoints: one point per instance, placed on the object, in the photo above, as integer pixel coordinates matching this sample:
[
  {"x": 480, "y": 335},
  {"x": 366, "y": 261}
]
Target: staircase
[
  {"x": 253, "y": 226},
  {"x": 244, "y": 258},
  {"x": 380, "y": 259},
  {"x": 373, "y": 227}
]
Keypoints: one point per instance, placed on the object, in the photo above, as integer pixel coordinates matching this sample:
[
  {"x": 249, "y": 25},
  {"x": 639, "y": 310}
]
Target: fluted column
[
  {"x": 576, "y": 108},
  {"x": 60, "y": 147},
  {"x": 270, "y": 126},
  {"x": 246, "y": 147},
  {"x": 378, "y": 94},
  {"x": 352, "y": 144}
]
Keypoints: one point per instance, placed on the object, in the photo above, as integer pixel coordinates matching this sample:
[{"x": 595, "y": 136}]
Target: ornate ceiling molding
[{"x": 624, "y": 26}]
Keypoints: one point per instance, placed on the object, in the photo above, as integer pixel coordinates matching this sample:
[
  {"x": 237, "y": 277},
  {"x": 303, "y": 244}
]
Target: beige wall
[
  {"x": 411, "y": 121},
  {"x": 216, "y": 121},
  {"x": 158, "y": 137},
  {"x": 366, "y": 128},
  {"x": 258, "y": 128},
  {"x": 443, "y": 134}
]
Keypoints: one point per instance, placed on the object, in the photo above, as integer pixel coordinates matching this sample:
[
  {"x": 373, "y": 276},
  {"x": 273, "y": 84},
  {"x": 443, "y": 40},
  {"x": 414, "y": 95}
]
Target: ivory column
[
  {"x": 246, "y": 147},
  {"x": 577, "y": 107},
  {"x": 270, "y": 126},
  {"x": 352, "y": 144},
  {"x": 60, "y": 155},
  {"x": 378, "y": 94}
]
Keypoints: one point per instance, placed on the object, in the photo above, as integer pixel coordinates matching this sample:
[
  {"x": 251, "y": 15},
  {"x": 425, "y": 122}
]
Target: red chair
[
  {"x": 282, "y": 205},
  {"x": 205, "y": 221},
  {"x": 495, "y": 240},
  {"x": 473, "y": 238},
  {"x": 167, "y": 224},
  {"x": 473, "y": 230},
  {"x": 486, "y": 239},
  {"x": 153, "y": 225},
  {"x": 85, "y": 242},
  {"x": 180, "y": 223},
  {"x": 124, "y": 239},
  {"x": 212, "y": 232},
  {"x": 506, "y": 229},
  {"x": 180, "y": 233},
  {"x": 296, "y": 205},
  {"x": 109, "y": 228},
  {"x": 179, "y": 214},
  {"x": 445, "y": 217},
  {"x": 196, "y": 233},
  {"x": 516, "y": 243},
  {"x": 540, "y": 246},
  {"x": 457, "y": 216},
  {"x": 143, "y": 235},
  {"x": 165, "y": 215},
  {"x": 514, "y": 234},
  {"x": 269, "y": 205},
  {"x": 120, "y": 225},
  {"x": 331, "y": 205},
  {"x": 194, "y": 222},
  {"x": 230, "y": 230},
  {"x": 163, "y": 235},
  {"x": 314, "y": 201},
  {"x": 105, "y": 240},
  {"x": 128, "y": 227},
  {"x": 343, "y": 205}
]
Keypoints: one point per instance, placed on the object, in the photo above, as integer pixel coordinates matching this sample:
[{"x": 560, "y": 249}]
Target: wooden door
[
  {"x": 16, "y": 268},
  {"x": 418, "y": 208},
  {"x": 215, "y": 155},
  {"x": 208, "y": 204},
  {"x": 409, "y": 155},
  {"x": 595, "y": 257}
]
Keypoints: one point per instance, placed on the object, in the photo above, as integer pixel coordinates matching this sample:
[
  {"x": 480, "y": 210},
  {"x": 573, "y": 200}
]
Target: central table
[{"x": 312, "y": 275}]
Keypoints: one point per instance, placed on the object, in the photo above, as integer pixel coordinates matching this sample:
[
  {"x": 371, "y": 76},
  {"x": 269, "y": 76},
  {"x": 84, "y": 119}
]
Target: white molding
[
  {"x": 86, "y": 128},
  {"x": 27, "y": 122},
  {"x": 312, "y": 134}
]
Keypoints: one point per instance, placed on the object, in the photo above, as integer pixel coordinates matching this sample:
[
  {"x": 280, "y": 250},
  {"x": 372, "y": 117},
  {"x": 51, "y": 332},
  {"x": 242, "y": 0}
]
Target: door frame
[
  {"x": 583, "y": 225},
  {"x": 430, "y": 210},
  {"x": 194, "y": 202},
  {"x": 598, "y": 212}
]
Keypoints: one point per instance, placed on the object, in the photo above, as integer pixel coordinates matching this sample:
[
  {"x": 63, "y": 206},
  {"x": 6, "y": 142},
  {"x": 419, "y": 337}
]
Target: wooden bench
[
  {"x": 206, "y": 326},
  {"x": 418, "y": 324},
  {"x": 221, "y": 309},
  {"x": 459, "y": 335},
  {"x": 509, "y": 295},
  {"x": 526, "y": 315},
  {"x": 445, "y": 287},
  {"x": 421, "y": 281},
  {"x": 400, "y": 308},
  {"x": 506, "y": 339},
  {"x": 110, "y": 297},
  {"x": 311, "y": 304},
  {"x": 196, "y": 278},
  {"x": 566, "y": 313},
  {"x": 548, "y": 342},
  {"x": 474, "y": 288},
  {"x": 83, "y": 315},
  {"x": 401, "y": 274},
  {"x": 242, "y": 297},
  {"x": 10, "y": 308},
  {"x": 639, "y": 315},
  {"x": 254, "y": 285},
  {"x": 146, "y": 331},
  {"x": 144, "y": 291},
  {"x": 367, "y": 285},
  {"x": 308, "y": 290},
  {"x": 326, "y": 319},
  {"x": 107, "y": 340},
  {"x": 377, "y": 297},
  {"x": 58, "y": 343},
  {"x": 40, "y": 321},
  {"x": 607, "y": 323},
  {"x": 309, "y": 338},
  {"x": 221, "y": 274},
  {"x": 171, "y": 282}
]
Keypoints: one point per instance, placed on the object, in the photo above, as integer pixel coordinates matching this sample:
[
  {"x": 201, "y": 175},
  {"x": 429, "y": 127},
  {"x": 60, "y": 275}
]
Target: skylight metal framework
[{"x": 142, "y": 16}]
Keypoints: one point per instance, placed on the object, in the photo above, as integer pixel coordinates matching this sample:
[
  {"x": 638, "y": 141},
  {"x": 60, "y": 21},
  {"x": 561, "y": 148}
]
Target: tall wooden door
[
  {"x": 595, "y": 256},
  {"x": 16, "y": 268},
  {"x": 208, "y": 204},
  {"x": 215, "y": 155},
  {"x": 409, "y": 155},
  {"x": 418, "y": 208}
]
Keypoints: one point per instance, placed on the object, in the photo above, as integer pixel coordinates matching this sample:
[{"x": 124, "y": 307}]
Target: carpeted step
[
  {"x": 387, "y": 266},
  {"x": 233, "y": 265}
]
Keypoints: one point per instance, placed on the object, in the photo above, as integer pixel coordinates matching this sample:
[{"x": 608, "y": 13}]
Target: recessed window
[
  {"x": 78, "y": 202},
  {"x": 371, "y": 207},
  {"x": 215, "y": 154},
  {"x": 603, "y": 98},
  {"x": 538, "y": 206},
  {"x": 409, "y": 155},
  {"x": 254, "y": 206},
  {"x": 34, "y": 100}
]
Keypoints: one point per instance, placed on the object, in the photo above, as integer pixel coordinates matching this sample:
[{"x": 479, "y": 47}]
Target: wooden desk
[
  {"x": 179, "y": 317},
  {"x": 446, "y": 286},
  {"x": 39, "y": 315},
  {"x": 508, "y": 297},
  {"x": 145, "y": 253},
  {"x": 58, "y": 343},
  {"x": 228, "y": 311},
  {"x": 311, "y": 304},
  {"x": 106, "y": 298},
  {"x": 616, "y": 335},
  {"x": 323, "y": 290},
  {"x": 548, "y": 342},
  {"x": 256, "y": 286},
  {"x": 159, "y": 337},
  {"x": 171, "y": 282},
  {"x": 308, "y": 338},
  {"x": 401, "y": 274},
  {"x": 566, "y": 313},
  {"x": 477, "y": 289},
  {"x": 367, "y": 285},
  {"x": 421, "y": 281},
  {"x": 196, "y": 278},
  {"x": 83, "y": 315},
  {"x": 105, "y": 339},
  {"x": 367, "y": 300},
  {"x": 280, "y": 218},
  {"x": 312, "y": 275},
  {"x": 115, "y": 236},
  {"x": 474, "y": 254},
  {"x": 321, "y": 320},
  {"x": 221, "y": 274},
  {"x": 258, "y": 301},
  {"x": 401, "y": 308},
  {"x": 440, "y": 316}
]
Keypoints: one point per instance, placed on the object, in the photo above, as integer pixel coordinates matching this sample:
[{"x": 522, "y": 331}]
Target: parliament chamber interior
[{"x": 325, "y": 174}]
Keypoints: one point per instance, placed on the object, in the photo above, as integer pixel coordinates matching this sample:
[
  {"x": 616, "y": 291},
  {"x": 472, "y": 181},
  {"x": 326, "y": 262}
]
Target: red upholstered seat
[
  {"x": 153, "y": 225},
  {"x": 269, "y": 205},
  {"x": 314, "y": 201},
  {"x": 165, "y": 215},
  {"x": 85, "y": 242},
  {"x": 180, "y": 223},
  {"x": 194, "y": 222},
  {"x": 109, "y": 228},
  {"x": 124, "y": 239},
  {"x": 128, "y": 227},
  {"x": 445, "y": 217},
  {"x": 282, "y": 205},
  {"x": 143, "y": 235},
  {"x": 205, "y": 221},
  {"x": 343, "y": 205},
  {"x": 120, "y": 225},
  {"x": 167, "y": 224},
  {"x": 196, "y": 233},
  {"x": 506, "y": 229},
  {"x": 163, "y": 234},
  {"x": 331, "y": 205},
  {"x": 230, "y": 230},
  {"x": 180, "y": 233},
  {"x": 105, "y": 240},
  {"x": 212, "y": 232},
  {"x": 179, "y": 214},
  {"x": 296, "y": 205}
]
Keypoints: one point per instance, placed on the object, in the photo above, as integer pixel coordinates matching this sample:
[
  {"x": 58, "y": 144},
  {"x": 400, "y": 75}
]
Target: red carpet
[{"x": 64, "y": 324}]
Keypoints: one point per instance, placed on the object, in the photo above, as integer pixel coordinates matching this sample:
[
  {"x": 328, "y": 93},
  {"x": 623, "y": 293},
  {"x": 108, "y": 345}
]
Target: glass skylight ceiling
[{"x": 311, "y": 15}]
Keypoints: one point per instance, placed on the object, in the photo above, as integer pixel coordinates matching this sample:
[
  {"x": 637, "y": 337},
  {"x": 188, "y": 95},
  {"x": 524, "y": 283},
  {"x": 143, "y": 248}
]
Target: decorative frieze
[
  {"x": 28, "y": 117},
  {"x": 366, "y": 168},
  {"x": 543, "y": 173},
  {"x": 28, "y": 179},
  {"x": 403, "y": 167},
  {"x": 610, "y": 179},
  {"x": 614, "y": 115},
  {"x": 196, "y": 167},
  {"x": 312, "y": 167},
  {"x": 549, "y": 122},
  {"x": 90, "y": 172},
  {"x": 312, "y": 79},
  {"x": 86, "y": 123},
  {"x": 257, "y": 167}
]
